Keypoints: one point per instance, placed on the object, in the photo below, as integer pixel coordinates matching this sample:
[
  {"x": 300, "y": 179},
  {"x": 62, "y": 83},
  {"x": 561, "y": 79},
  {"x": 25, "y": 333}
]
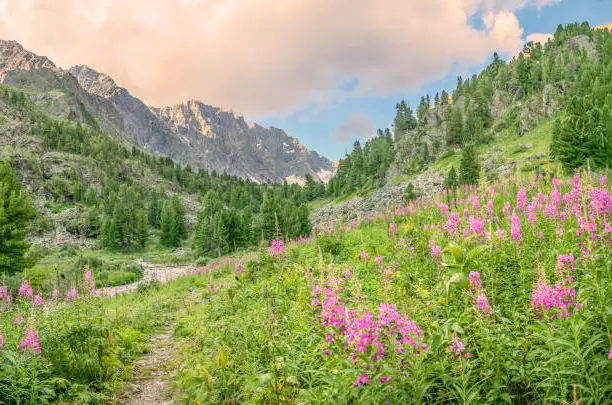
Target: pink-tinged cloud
[
  {"x": 540, "y": 37},
  {"x": 267, "y": 56},
  {"x": 356, "y": 126}
]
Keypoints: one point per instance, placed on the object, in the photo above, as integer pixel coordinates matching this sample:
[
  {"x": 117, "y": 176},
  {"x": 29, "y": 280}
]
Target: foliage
[
  {"x": 469, "y": 170},
  {"x": 343, "y": 315},
  {"x": 365, "y": 167},
  {"x": 15, "y": 213}
]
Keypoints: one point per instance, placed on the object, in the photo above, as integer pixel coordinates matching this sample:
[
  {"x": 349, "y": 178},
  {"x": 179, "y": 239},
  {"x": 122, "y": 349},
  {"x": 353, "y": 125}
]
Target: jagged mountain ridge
[{"x": 190, "y": 133}]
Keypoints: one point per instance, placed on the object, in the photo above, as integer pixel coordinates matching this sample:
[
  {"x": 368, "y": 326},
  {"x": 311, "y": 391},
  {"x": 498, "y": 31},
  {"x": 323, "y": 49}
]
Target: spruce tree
[
  {"x": 108, "y": 234},
  {"x": 179, "y": 230},
  {"x": 78, "y": 194},
  {"x": 455, "y": 129},
  {"x": 165, "y": 237},
  {"x": 154, "y": 210},
  {"x": 469, "y": 170},
  {"x": 15, "y": 214}
]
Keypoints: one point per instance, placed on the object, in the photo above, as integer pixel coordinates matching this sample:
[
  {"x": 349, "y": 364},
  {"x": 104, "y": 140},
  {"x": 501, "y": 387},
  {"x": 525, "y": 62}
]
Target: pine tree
[
  {"x": 108, "y": 234},
  {"x": 305, "y": 227},
  {"x": 142, "y": 231},
  {"x": 410, "y": 193},
  {"x": 455, "y": 129},
  {"x": 179, "y": 230},
  {"x": 78, "y": 194},
  {"x": 203, "y": 242},
  {"x": 470, "y": 168},
  {"x": 154, "y": 210},
  {"x": 165, "y": 237},
  {"x": 451, "y": 182},
  {"x": 15, "y": 214}
]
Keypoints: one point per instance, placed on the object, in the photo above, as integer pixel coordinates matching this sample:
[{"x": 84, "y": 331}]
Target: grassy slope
[{"x": 260, "y": 340}]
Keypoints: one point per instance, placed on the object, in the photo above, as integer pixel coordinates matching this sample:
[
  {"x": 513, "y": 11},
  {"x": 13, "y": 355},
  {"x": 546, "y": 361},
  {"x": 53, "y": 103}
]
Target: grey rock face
[
  {"x": 190, "y": 133},
  {"x": 388, "y": 197}
]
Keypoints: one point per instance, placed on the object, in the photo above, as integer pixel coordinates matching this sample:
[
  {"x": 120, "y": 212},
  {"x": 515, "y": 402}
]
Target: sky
[{"x": 327, "y": 72}]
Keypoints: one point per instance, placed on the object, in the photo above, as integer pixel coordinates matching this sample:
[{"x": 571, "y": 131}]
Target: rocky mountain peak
[
  {"x": 13, "y": 56},
  {"x": 94, "y": 82},
  {"x": 191, "y": 133}
]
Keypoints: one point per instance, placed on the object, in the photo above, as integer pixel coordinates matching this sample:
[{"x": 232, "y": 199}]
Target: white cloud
[
  {"x": 265, "y": 57},
  {"x": 540, "y": 37},
  {"x": 356, "y": 126}
]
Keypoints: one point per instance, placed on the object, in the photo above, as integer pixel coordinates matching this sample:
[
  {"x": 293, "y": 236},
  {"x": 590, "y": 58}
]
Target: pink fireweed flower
[
  {"x": 71, "y": 294},
  {"x": 443, "y": 209},
  {"x": 451, "y": 222},
  {"x": 610, "y": 354},
  {"x": 1, "y": 341},
  {"x": 30, "y": 342},
  {"x": 88, "y": 276},
  {"x": 25, "y": 290},
  {"x": 55, "y": 293},
  {"x": 466, "y": 212},
  {"x": 378, "y": 260},
  {"x": 564, "y": 261},
  {"x": 555, "y": 182},
  {"x": 551, "y": 211},
  {"x": 546, "y": 299},
  {"x": 515, "y": 228},
  {"x": 476, "y": 226},
  {"x": 347, "y": 274},
  {"x": 38, "y": 300},
  {"x": 475, "y": 279},
  {"x": 18, "y": 319},
  {"x": 278, "y": 248},
  {"x": 239, "y": 270},
  {"x": 475, "y": 203},
  {"x": 490, "y": 208},
  {"x": 364, "y": 255},
  {"x": 521, "y": 199},
  {"x": 602, "y": 181},
  {"x": 456, "y": 347},
  {"x": 507, "y": 208},
  {"x": 434, "y": 249},
  {"x": 483, "y": 305},
  {"x": 386, "y": 379},
  {"x": 362, "y": 380},
  {"x": 531, "y": 217},
  {"x": 392, "y": 228},
  {"x": 500, "y": 234}
]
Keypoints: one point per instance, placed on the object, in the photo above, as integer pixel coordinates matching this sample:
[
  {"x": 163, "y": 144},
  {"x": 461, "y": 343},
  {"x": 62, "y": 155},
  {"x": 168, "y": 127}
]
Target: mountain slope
[
  {"x": 511, "y": 113},
  {"x": 190, "y": 133}
]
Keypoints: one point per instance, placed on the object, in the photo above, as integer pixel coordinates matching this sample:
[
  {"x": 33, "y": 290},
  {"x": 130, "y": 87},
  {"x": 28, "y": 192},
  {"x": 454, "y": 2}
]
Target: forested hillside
[
  {"x": 567, "y": 82},
  {"x": 91, "y": 190}
]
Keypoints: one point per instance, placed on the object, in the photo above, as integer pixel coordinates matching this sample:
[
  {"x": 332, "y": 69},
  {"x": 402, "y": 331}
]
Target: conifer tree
[
  {"x": 15, "y": 214},
  {"x": 455, "y": 129},
  {"x": 154, "y": 210},
  {"x": 469, "y": 170},
  {"x": 165, "y": 237},
  {"x": 179, "y": 230}
]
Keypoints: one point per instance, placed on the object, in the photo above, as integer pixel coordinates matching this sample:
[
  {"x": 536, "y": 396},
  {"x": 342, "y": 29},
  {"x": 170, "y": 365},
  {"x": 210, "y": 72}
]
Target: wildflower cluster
[
  {"x": 278, "y": 248},
  {"x": 365, "y": 336},
  {"x": 478, "y": 295}
]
